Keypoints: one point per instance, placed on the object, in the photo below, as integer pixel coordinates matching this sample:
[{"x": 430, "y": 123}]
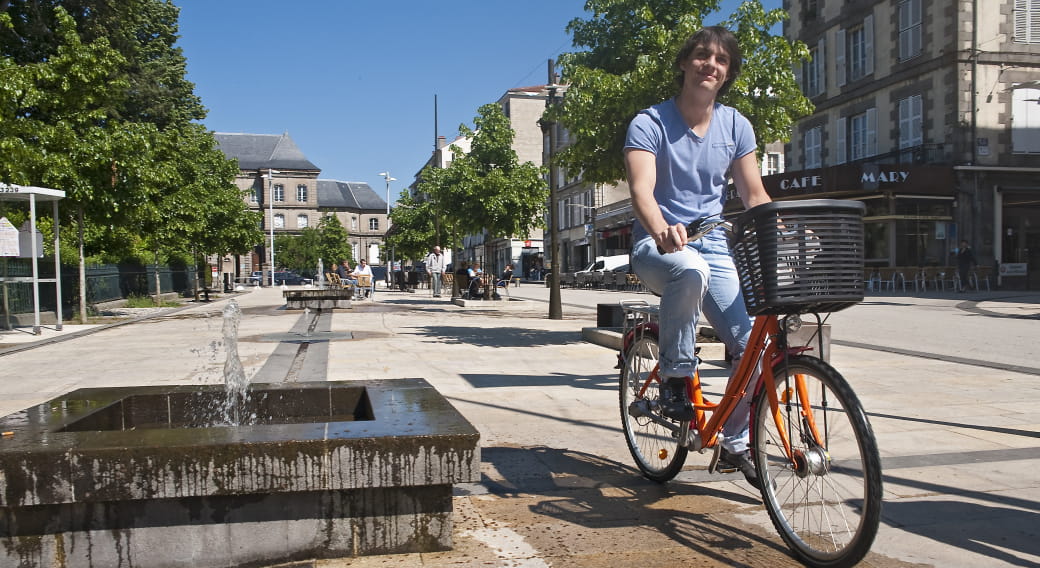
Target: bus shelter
[{"x": 34, "y": 195}]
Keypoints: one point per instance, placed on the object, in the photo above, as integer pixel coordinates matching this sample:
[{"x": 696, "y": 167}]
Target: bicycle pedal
[{"x": 713, "y": 465}]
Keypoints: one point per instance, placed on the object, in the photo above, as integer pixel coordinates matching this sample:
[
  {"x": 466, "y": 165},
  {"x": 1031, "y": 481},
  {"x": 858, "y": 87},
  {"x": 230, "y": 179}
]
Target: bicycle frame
[{"x": 764, "y": 349}]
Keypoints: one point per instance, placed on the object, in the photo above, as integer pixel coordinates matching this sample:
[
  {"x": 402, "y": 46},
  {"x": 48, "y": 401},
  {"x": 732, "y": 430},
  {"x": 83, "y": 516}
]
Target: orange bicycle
[{"x": 813, "y": 448}]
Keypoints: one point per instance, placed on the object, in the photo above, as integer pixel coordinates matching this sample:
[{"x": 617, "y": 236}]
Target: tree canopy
[
  {"x": 486, "y": 190},
  {"x": 628, "y": 65},
  {"x": 95, "y": 102}
]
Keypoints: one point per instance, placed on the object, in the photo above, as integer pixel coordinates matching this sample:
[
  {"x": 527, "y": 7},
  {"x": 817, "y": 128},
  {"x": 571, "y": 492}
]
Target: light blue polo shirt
[{"x": 691, "y": 170}]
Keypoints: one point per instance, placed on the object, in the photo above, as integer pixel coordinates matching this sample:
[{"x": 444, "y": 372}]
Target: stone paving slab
[{"x": 960, "y": 436}]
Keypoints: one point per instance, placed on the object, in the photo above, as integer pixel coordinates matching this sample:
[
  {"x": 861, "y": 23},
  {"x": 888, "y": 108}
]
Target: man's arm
[
  {"x": 748, "y": 179},
  {"x": 641, "y": 166}
]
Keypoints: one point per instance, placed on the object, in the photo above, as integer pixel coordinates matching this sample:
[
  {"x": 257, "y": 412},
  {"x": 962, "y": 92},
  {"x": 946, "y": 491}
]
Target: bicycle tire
[
  {"x": 654, "y": 448},
  {"x": 827, "y": 505}
]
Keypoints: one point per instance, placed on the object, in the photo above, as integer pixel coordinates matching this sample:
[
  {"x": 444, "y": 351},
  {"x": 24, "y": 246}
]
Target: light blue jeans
[{"x": 699, "y": 278}]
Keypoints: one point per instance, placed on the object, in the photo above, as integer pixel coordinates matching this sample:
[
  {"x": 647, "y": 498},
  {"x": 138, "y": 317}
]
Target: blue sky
[{"x": 353, "y": 81}]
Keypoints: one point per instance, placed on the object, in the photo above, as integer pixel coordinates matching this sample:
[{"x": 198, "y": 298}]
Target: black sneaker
[
  {"x": 674, "y": 402},
  {"x": 730, "y": 462}
]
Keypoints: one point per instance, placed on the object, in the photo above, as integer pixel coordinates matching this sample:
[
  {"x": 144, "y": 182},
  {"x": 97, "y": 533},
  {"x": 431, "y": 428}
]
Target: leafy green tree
[
  {"x": 98, "y": 105},
  {"x": 143, "y": 32},
  {"x": 629, "y": 65},
  {"x": 488, "y": 190},
  {"x": 333, "y": 241},
  {"x": 418, "y": 224},
  {"x": 300, "y": 252}
]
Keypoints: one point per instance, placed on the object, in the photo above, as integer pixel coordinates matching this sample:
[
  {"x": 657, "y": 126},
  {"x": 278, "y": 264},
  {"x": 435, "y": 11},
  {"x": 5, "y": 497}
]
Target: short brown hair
[{"x": 708, "y": 36}]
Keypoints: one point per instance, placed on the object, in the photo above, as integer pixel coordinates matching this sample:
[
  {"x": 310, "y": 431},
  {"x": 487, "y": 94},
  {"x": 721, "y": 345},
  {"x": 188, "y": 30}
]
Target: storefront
[{"x": 910, "y": 218}]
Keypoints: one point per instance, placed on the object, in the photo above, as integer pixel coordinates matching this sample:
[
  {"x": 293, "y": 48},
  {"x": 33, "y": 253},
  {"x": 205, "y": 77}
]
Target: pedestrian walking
[{"x": 435, "y": 269}]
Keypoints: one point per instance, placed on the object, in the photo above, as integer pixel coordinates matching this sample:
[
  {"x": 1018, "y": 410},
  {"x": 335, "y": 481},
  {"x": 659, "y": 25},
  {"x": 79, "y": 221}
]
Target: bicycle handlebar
[{"x": 697, "y": 229}]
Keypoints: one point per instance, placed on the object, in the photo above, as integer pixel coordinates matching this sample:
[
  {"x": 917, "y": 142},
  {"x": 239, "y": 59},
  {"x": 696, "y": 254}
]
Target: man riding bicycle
[{"x": 679, "y": 155}]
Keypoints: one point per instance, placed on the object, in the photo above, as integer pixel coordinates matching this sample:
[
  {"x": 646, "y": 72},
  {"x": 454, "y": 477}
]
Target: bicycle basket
[{"x": 798, "y": 257}]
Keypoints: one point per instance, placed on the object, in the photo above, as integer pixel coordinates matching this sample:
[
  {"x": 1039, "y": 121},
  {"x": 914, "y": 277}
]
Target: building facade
[
  {"x": 278, "y": 180},
  {"x": 927, "y": 111}
]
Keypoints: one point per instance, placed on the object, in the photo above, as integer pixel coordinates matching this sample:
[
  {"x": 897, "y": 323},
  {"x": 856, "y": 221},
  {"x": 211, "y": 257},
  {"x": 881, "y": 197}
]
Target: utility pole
[{"x": 555, "y": 302}]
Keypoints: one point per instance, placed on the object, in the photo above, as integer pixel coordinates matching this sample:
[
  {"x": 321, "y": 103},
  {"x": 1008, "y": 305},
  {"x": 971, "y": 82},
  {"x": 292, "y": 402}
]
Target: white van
[{"x": 605, "y": 264}]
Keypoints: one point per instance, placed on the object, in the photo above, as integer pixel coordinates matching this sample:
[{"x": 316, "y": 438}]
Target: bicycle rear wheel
[
  {"x": 654, "y": 447},
  {"x": 827, "y": 503}
]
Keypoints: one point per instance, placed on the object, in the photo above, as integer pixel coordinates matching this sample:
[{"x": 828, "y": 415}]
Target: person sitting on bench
[{"x": 474, "y": 274}]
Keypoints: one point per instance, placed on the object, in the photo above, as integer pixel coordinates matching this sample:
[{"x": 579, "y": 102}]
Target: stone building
[
  {"x": 927, "y": 111},
  {"x": 280, "y": 181}
]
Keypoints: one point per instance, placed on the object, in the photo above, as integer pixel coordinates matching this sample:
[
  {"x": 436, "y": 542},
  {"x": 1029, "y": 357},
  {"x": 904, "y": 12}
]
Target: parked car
[
  {"x": 256, "y": 278},
  {"x": 288, "y": 278}
]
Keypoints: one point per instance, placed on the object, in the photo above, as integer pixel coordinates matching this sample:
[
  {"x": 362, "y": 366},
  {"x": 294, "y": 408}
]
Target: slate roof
[
  {"x": 262, "y": 151},
  {"x": 335, "y": 194}
]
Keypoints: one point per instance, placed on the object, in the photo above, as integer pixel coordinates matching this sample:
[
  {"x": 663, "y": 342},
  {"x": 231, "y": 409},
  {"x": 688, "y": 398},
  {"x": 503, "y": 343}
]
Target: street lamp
[
  {"x": 270, "y": 206},
  {"x": 386, "y": 176}
]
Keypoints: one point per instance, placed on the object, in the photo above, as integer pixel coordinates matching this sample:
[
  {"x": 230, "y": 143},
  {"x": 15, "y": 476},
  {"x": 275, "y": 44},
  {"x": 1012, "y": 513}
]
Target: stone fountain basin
[{"x": 358, "y": 467}]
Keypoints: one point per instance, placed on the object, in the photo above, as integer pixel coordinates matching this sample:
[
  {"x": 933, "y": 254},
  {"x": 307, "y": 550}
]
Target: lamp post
[
  {"x": 549, "y": 130},
  {"x": 270, "y": 206},
  {"x": 386, "y": 176}
]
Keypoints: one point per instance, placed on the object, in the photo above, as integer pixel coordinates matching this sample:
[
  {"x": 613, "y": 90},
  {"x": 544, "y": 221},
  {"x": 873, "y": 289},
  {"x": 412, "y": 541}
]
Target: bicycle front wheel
[
  {"x": 654, "y": 447},
  {"x": 826, "y": 500}
]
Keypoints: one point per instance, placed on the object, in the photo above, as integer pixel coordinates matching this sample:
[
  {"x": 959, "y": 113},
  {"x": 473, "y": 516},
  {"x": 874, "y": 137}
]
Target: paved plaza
[{"x": 951, "y": 384}]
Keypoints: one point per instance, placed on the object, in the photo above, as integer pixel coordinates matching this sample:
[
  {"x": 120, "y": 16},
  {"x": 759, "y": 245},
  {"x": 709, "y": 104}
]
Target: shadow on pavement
[
  {"x": 598, "y": 382},
  {"x": 981, "y": 529},
  {"x": 500, "y": 336},
  {"x": 589, "y": 491}
]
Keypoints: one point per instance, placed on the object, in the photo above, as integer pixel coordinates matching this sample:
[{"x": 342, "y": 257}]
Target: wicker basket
[{"x": 798, "y": 257}]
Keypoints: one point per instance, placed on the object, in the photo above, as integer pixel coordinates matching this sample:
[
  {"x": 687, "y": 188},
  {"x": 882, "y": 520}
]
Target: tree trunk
[
  {"x": 158, "y": 286},
  {"x": 82, "y": 269}
]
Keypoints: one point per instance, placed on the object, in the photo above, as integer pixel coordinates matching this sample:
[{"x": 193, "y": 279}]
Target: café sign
[{"x": 861, "y": 178}]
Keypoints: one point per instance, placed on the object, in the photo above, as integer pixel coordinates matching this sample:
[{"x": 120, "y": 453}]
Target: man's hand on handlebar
[
  {"x": 672, "y": 239},
  {"x": 694, "y": 231}
]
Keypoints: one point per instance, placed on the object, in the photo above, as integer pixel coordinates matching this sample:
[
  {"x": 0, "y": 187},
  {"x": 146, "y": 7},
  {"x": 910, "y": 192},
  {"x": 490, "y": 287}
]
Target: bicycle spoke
[
  {"x": 826, "y": 502},
  {"x": 654, "y": 447}
]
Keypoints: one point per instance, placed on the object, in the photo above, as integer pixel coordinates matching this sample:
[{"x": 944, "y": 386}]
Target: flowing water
[{"x": 236, "y": 384}]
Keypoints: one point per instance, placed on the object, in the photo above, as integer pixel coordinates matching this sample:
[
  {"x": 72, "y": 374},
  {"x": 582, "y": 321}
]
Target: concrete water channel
[{"x": 159, "y": 476}]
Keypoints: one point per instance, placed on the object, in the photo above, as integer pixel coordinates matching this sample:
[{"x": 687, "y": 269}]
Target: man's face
[
  {"x": 436, "y": 250},
  {"x": 708, "y": 66}
]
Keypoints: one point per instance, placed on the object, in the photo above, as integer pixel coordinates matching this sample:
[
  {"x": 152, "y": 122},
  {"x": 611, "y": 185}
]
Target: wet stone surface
[{"x": 368, "y": 464}]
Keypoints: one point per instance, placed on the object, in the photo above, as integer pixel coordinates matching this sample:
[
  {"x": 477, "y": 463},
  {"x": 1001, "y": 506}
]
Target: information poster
[{"x": 8, "y": 238}]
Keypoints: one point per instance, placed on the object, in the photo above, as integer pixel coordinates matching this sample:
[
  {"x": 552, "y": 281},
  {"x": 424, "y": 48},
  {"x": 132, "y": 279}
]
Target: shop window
[
  {"x": 909, "y": 29},
  {"x": 875, "y": 242},
  {"x": 922, "y": 230}
]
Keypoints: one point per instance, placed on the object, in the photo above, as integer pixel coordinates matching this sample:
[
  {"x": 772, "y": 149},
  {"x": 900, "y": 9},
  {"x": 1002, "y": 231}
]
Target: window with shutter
[
  {"x": 1025, "y": 121},
  {"x": 839, "y": 135},
  {"x": 812, "y": 148},
  {"x": 910, "y": 134},
  {"x": 1027, "y": 21},
  {"x": 909, "y": 29}
]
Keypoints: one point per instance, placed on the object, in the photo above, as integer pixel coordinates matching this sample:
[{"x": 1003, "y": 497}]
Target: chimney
[{"x": 441, "y": 142}]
